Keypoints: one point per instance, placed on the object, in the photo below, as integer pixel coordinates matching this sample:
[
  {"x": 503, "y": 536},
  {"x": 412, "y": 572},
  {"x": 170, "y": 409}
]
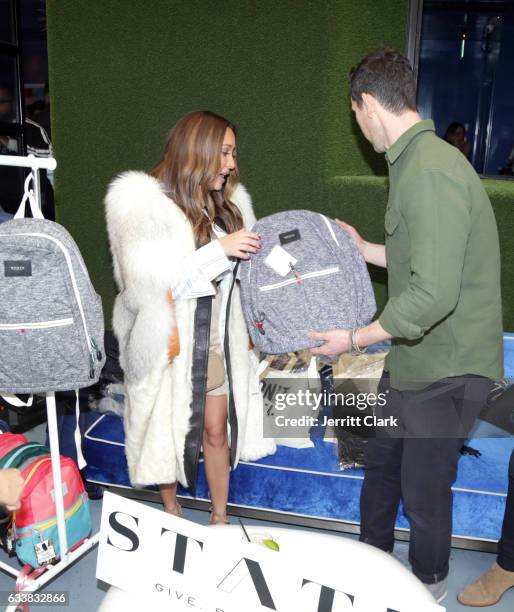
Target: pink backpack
[
  {"x": 34, "y": 525},
  {"x": 8, "y": 441}
]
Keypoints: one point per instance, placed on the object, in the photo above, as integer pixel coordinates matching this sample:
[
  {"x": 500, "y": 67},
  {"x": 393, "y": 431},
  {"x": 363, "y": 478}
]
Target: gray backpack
[
  {"x": 51, "y": 320},
  {"x": 309, "y": 275}
]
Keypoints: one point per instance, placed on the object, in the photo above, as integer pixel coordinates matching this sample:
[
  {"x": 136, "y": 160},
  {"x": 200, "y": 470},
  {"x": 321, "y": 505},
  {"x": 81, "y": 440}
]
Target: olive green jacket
[{"x": 443, "y": 262}]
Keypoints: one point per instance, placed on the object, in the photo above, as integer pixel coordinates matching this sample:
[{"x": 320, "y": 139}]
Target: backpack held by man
[{"x": 308, "y": 276}]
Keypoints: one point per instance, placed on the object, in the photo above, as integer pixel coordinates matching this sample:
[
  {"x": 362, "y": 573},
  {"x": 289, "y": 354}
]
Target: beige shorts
[
  {"x": 216, "y": 373},
  {"x": 221, "y": 390},
  {"x": 216, "y": 364}
]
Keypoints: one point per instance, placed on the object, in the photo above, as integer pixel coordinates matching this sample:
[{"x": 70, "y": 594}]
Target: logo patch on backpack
[
  {"x": 18, "y": 268},
  {"x": 291, "y": 236}
]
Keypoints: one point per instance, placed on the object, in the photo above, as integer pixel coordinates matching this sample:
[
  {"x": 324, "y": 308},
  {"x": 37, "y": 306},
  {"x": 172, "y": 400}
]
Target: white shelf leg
[{"x": 56, "y": 470}]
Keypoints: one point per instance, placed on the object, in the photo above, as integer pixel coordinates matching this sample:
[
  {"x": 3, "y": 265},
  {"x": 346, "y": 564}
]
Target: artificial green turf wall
[
  {"x": 361, "y": 200},
  {"x": 122, "y": 72}
]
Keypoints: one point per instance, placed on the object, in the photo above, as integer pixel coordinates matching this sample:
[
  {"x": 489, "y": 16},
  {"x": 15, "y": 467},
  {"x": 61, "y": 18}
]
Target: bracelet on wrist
[{"x": 355, "y": 350}]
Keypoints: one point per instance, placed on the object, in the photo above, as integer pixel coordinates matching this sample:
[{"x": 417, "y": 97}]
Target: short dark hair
[
  {"x": 387, "y": 75},
  {"x": 452, "y": 129}
]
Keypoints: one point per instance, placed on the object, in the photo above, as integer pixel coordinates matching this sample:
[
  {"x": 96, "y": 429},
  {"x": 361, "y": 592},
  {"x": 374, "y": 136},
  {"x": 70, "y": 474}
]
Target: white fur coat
[{"x": 151, "y": 239}]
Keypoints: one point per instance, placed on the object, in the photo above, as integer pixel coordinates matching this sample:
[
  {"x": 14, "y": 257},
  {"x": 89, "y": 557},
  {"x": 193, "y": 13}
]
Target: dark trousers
[
  {"x": 416, "y": 462},
  {"x": 506, "y": 543}
]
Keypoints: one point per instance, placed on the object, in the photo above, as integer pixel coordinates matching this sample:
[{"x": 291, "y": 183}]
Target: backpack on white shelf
[{"x": 51, "y": 319}]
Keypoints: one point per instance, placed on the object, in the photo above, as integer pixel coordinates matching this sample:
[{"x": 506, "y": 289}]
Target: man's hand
[
  {"x": 373, "y": 253},
  {"x": 11, "y": 485},
  {"x": 357, "y": 238},
  {"x": 336, "y": 341}
]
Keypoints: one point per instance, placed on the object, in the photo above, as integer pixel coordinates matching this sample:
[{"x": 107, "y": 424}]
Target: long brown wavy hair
[{"x": 189, "y": 164}]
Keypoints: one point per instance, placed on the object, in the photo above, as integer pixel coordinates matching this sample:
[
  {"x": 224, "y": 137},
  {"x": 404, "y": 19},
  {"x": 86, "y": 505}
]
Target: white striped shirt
[{"x": 206, "y": 264}]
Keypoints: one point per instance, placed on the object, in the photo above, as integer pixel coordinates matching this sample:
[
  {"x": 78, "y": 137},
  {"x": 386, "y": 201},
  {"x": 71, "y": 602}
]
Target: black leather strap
[
  {"x": 232, "y": 416},
  {"x": 193, "y": 442}
]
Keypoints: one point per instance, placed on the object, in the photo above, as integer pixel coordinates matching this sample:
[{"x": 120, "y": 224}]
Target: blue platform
[{"x": 308, "y": 482}]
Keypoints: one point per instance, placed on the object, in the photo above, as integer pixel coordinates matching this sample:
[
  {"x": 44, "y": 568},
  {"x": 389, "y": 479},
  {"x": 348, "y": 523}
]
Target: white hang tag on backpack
[
  {"x": 45, "y": 552},
  {"x": 10, "y": 542},
  {"x": 280, "y": 261}
]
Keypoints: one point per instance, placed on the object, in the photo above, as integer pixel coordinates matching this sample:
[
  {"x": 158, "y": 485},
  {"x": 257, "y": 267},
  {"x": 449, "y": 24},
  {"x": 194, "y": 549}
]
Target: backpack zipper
[
  {"x": 21, "y": 449},
  {"x": 295, "y": 272},
  {"x": 96, "y": 348},
  {"x": 40, "y": 325},
  {"x": 300, "y": 277},
  {"x": 89, "y": 340},
  {"x": 50, "y": 523}
]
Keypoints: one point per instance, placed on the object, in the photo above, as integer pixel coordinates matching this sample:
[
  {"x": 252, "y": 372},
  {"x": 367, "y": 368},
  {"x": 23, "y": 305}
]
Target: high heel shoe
[
  {"x": 218, "y": 519},
  {"x": 176, "y": 510}
]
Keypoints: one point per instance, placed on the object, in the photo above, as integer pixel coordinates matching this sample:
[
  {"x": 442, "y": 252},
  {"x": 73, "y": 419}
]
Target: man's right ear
[{"x": 369, "y": 104}]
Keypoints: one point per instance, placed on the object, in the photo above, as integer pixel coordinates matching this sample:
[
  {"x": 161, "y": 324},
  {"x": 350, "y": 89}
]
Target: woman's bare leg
[
  {"x": 216, "y": 454},
  {"x": 169, "y": 498}
]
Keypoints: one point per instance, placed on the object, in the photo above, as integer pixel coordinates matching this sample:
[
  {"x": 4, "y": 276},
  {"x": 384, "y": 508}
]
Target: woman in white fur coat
[{"x": 175, "y": 235}]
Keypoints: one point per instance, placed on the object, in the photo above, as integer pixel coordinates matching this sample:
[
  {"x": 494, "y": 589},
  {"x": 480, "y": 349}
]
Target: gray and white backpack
[
  {"x": 309, "y": 275},
  {"x": 51, "y": 320}
]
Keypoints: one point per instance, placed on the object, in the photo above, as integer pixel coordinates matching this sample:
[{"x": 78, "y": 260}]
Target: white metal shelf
[{"x": 66, "y": 558}]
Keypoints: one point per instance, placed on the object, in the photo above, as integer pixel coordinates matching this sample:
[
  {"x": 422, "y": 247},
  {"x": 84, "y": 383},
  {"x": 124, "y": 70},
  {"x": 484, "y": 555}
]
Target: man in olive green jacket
[{"x": 444, "y": 315}]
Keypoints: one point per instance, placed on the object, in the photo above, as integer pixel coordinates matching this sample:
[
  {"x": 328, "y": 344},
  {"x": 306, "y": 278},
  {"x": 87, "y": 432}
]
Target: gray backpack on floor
[
  {"x": 51, "y": 320},
  {"x": 309, "y": 275}
]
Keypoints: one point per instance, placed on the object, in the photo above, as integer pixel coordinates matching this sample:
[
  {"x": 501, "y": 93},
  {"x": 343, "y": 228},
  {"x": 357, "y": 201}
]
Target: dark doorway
[{"x": 465, "y": 75}]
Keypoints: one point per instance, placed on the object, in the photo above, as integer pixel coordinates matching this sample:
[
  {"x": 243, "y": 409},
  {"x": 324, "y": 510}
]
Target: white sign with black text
[{"x": 179, "y": 565}]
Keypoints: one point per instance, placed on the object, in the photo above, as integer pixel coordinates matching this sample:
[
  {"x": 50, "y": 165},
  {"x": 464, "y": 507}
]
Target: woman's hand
[{"x": 240, "y": 244}]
